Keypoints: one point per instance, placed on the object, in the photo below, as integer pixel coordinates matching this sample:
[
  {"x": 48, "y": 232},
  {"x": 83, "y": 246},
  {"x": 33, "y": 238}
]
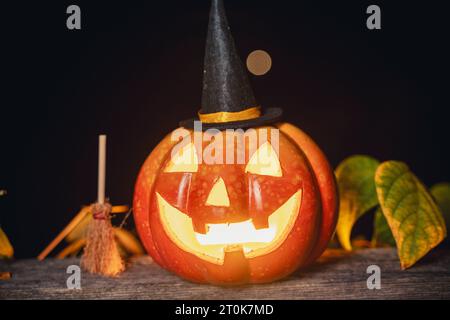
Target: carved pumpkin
[
  {"x": 257, "y": 218},
  {"x": 236, "y": 223}
]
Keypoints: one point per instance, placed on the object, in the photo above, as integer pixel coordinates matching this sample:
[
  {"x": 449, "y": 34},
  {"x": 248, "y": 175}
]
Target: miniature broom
[{"x": 101, "y": 254}]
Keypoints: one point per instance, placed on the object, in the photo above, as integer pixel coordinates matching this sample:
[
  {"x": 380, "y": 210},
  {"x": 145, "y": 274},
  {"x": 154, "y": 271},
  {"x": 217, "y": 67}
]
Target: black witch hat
[{"x": 227, "y": 99}]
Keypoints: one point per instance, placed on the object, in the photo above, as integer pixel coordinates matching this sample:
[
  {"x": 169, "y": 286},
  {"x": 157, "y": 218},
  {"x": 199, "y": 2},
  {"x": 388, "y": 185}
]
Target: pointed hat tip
[
  {"x": 226, "y": 87},
  {"x": 225, "y": 83}
]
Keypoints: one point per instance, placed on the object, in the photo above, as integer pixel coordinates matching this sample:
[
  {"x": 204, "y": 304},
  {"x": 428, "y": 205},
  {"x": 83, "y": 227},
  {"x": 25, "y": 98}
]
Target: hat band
[{"x": 221, "y": 117}]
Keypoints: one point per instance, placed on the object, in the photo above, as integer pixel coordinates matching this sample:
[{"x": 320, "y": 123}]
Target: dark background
[{"x": 135, "y": 70}]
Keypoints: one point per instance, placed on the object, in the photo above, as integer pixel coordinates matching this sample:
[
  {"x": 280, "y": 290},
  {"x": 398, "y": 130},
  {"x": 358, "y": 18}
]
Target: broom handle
[
  {"x": 101, "y": 169},
  {"x": 72, "y": 224}
]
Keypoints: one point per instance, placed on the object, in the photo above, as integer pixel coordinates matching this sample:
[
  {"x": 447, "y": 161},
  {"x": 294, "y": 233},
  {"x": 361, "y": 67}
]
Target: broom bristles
[{"x": 101, "y": 255}]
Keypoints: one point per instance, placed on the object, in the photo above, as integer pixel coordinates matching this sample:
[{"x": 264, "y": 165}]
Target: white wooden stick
[{"x": 101, "y": 169}]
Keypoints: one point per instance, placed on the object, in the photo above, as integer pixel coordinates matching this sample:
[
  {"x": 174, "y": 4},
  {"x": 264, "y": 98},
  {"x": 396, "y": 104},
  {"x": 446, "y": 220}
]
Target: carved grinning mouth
[{"x": 226, "y": 237}]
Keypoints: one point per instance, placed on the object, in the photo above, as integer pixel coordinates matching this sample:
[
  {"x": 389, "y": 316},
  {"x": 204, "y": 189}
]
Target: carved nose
[{"x": 218, "y": 196}]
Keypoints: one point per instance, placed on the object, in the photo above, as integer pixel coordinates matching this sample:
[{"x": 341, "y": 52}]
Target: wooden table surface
[{"x": 337, "y": 275}]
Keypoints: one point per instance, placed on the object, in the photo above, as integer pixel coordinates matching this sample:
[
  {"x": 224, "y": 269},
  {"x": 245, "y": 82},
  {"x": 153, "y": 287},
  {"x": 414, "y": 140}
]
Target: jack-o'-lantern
[{"x": 222, "y": 206}]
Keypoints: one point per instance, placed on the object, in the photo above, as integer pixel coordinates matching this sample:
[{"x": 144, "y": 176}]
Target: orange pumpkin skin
[
  {"x": 326, "y": 183},
  {"x": 304, "y": 168}
]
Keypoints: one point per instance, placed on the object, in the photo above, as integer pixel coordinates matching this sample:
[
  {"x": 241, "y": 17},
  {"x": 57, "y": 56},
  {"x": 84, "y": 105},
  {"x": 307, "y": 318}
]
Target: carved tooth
[
  {"x": 260, "y": 222},
  {"x": 199, "y": 226}
]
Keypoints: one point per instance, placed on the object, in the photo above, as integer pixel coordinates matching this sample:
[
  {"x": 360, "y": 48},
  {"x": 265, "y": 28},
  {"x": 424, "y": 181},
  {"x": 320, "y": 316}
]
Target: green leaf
[
  {"x": 382, "y": 234},
  {"x": 6, "y": 249},
  {"x": 441, "y": 193},
  {"x": 414, "y": 218},
  {"x": 355, "y": 179}
]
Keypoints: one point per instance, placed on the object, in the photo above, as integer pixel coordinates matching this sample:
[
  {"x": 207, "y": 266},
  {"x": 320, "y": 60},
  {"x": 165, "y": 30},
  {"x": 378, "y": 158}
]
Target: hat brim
[{"x": 269, "y": 116}]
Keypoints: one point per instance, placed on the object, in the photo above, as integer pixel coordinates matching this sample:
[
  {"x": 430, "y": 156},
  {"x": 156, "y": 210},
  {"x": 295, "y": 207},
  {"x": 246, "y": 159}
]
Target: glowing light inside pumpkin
[
  {"x": 218, "y": 196},
  {"x": 235, "y": 233},
  {"x": 221, "y": 238},
  {"x": 264, "y": 162}
]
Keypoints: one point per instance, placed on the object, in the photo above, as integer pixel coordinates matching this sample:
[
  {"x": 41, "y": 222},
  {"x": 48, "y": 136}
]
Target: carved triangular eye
[
  {"x": 218, "y": 196},
  {"x": 183, "y": 159},
  {"x": 264, "y": 162}
]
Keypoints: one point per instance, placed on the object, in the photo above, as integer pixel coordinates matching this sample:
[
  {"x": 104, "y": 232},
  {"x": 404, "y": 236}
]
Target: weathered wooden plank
[{"x": 338, "y": 275}]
